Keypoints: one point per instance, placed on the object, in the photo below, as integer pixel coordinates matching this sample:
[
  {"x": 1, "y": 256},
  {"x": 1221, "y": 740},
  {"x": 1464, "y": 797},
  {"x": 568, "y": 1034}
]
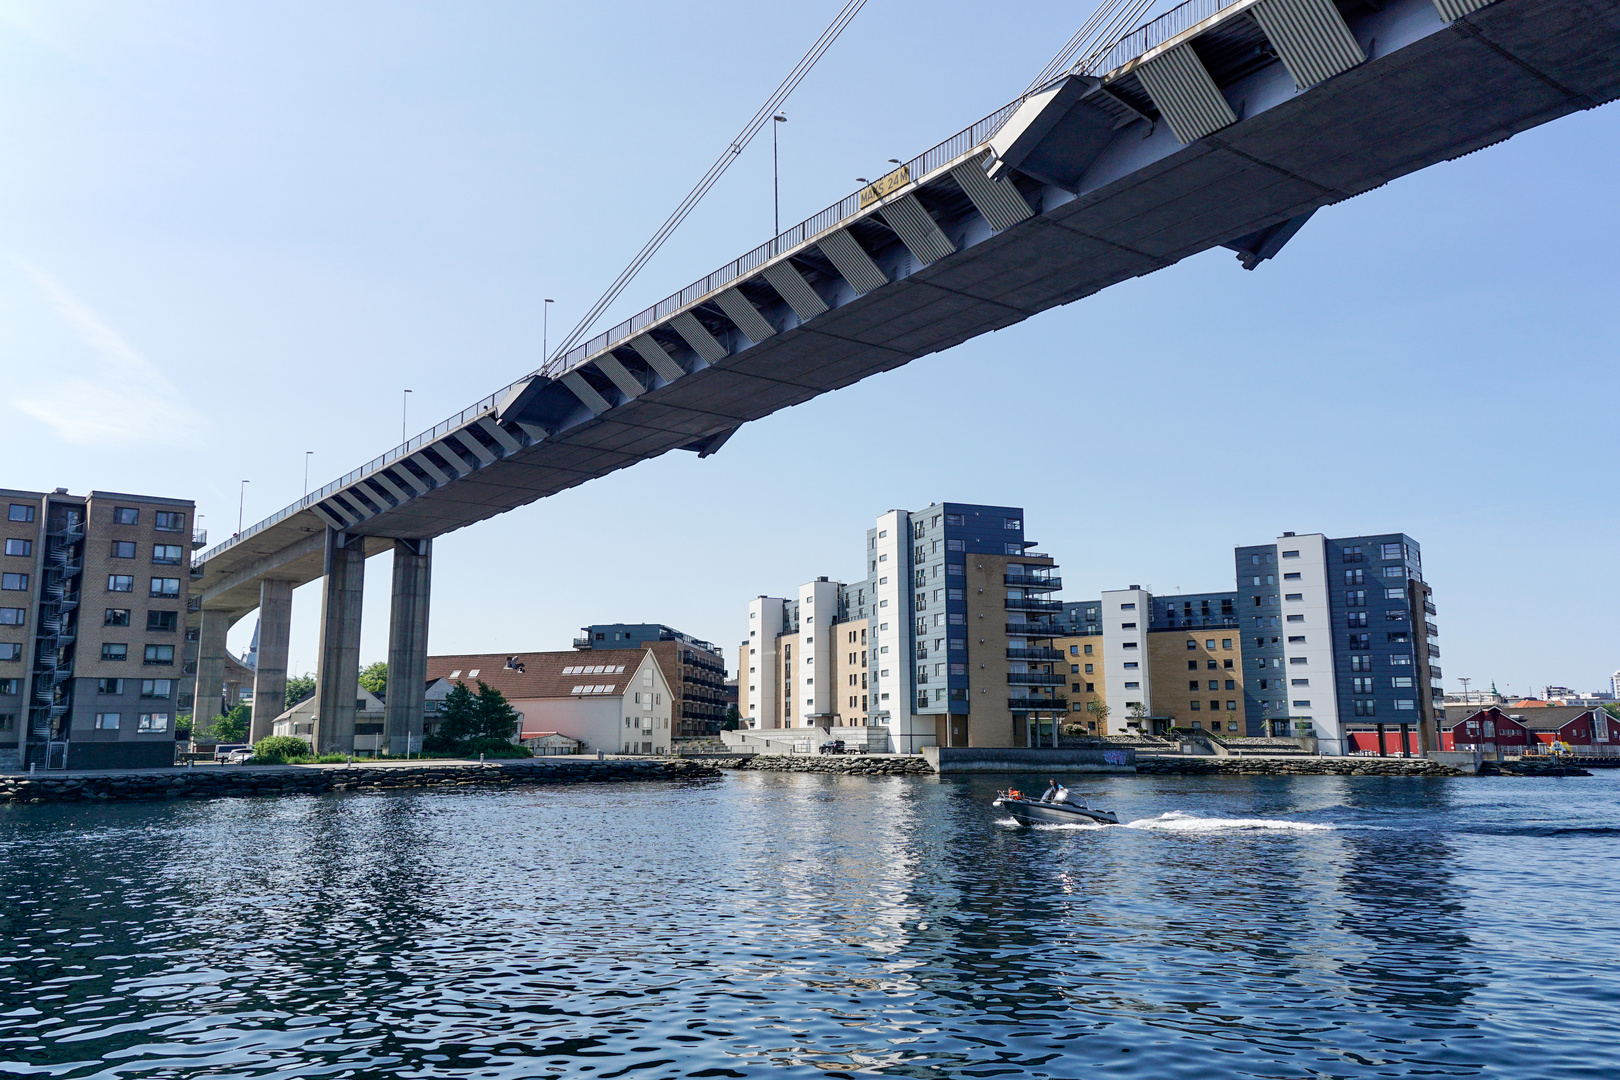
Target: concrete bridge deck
[{"x": 1226, "y": 122}]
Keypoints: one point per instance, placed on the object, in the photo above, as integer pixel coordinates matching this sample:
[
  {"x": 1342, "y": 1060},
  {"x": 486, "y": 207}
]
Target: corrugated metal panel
[
  {"x": 657, "y": 359},
  {"x": 852, "y": 261},
  {"x": 585, "y": 392},
  {"x": 745, "y": 315},
  {"x": 1311, "y": 38},
  {"x": 1452, "y": 10},
  {"x": 694, "y": 334},
  {"x": 785, "y": 278},
  {"x": 1184, "y": 94},
  {"x": 609, "y": 365},
  {"x": 916, "y": 229},
  {"x": 999, "y": 202}
]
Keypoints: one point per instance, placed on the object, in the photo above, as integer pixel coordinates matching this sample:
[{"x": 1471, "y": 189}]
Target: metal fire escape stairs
[{"x": 56, "y": 631}]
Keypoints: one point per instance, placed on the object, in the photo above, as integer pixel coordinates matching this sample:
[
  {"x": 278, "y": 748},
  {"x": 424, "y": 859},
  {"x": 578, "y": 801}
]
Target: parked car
[
  {"x": 240, "y": 757},
  {"x": 223, "y": 752},
  {"x": 834, "y": 746}
]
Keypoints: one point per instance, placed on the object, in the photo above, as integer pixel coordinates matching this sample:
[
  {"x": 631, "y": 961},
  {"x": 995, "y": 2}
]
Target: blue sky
[{"x": 232, "y": 233}]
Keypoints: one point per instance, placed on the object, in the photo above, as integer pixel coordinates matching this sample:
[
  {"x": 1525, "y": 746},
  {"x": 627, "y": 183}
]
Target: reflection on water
[{"x": 1267, "y": 927}]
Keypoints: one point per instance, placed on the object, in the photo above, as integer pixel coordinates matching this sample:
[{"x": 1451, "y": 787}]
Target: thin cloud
[{"x": 116, "y": 396}]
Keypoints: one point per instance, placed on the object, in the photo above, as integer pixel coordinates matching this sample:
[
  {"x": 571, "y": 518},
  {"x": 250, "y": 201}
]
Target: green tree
[
  {"x": 1138, "y": 711},
  {"x": 1097, "y": 709},
  {"x": 475, "y": 723},
  {"x": 276, "y": 749},
  {"x": 230, "y": 726},
  {"x": 299, "y": 687},
  {"x": 458, "y": 721},
  {"x": 733, "y": 719},
  {"x": 497, "y": 720},
  {"x": 374, "y": 677}
]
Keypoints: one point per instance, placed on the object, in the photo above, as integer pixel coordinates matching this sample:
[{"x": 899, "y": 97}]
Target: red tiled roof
[{"x": 544, "y": 675}]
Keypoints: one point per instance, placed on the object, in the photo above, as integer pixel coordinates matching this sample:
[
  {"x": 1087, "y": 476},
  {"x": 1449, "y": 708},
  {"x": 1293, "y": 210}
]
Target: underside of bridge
[{"x": 1219, "y": 124}]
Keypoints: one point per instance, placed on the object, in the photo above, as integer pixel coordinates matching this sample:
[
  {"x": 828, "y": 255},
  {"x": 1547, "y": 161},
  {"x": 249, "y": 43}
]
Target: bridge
[{"x": 1221, "y": 123}]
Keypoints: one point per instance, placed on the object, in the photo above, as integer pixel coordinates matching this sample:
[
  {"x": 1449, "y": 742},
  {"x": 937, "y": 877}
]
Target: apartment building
[
  {"x": 947, "y": 640},
  {"x": 93, "y": 594},
  {"x": 1322, "y": 637},
  {"x": 696, "y": 670}
]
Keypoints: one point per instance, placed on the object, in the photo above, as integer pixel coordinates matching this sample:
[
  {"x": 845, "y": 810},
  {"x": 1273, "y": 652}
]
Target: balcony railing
[
  {"x": 1034, "y": 654},
  {"x": 1035, "y": 678},
  {"x": 1034, "y": 630},
  {"x": 1025, "y": 581},
  {"x": 1027, "y": 704},
  {"x": 1029, "y": 603}
]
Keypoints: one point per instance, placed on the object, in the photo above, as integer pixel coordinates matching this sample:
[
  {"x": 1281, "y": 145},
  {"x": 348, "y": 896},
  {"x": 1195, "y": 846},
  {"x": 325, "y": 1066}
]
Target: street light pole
[
  {"x": 307, "y": 454},
  {"x": 545, "y": 330},
  {"x": 404, "y": 402},
  {"x": 241, "y": 501},
  {"x": 776, "y": 184}
]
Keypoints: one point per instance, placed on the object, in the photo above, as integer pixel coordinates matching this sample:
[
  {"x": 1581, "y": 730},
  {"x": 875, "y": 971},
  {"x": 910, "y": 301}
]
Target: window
[
  {"x": 168, "y": 587},
  {"x": 109, "y": 686},
  {"x": 1192, "y": 684},
  {"x": 21, "y": 512},
  {"x": 162, "y": 620},
  {"x": 157, "y": 688},
  {"x": 120, "y": 583},
  {"x": 1365, "y": 707},
  {"x": 1356, "y": 619},
  {"x": 1399, "y": 682},
  {"x": 1192, "y": 665},
  {"x": 1088, "y": 669},
  {"x": 1391, "y": 551},
  {"x": 1128, "y": 645},
  {"x": 1231, "y": 706},
  {"x": 1394, "y": 571},
  {"x": 1355, "y": 598},
  {"x": 107, "y": 721},
  {"x": 158, "y": 654},
  {"x": 1210, "y": 664},
  {"x": 1299, "y": 682},
  {"x": 1088, "y": 650},
  {"x": 166, "y": 554},
  {"x": 1394, "y": 615},
  {"x": 1296, "y": 618},
  {"x": 1131, "y": 665},
  {"x": 1360, "y": 642},
  {"x": 1127, "y": 607},
  {"x": 1195, "y": 705},
  {"x": 1191, "y": 644},
  {"x": 955, "y": 569},
  {"x": 951, "y": 519},
  {"x": 1294, "y": 596},
  {"x": 1231, "y": 684},
  {"x": 10, "y": 650},
  {"x": 1091, "y": 688},
  {"x": 12, "y": 616},
  {"x": 955, "y": 545},
  {"x": 114, "y": 651},
  {"x": 1298, "y": 660},
  {"x": 1012, "y": 523},
  {"x": 1398, "y": 660},
  {"x": 1127, "y": 626},
  {"x": 126, "y": 515},
  {"x": 1228, "y": 664},
  {"x": 169, "y": 521},
  {"x": 115, "y": 616},
  {"x": 1361, "y": 686},
  {"x": 1290, "y": 554},
  {"x": 1302, "y": 704},
  {"x": 1291, "y": 577},
  {"x": 14, "y": 582},
  {"x": 159, "y": 721},
  {"x": 1214, "y": 684},
  {"x": 1361, "y": 663},
  {"x": 1226, "y": 643},
  {"x": 19, "y": 547},
  {"x": 1296, "y": 639},
  {"x": 1354, "y": 577},
  {"x": 1394, "y": 594}
]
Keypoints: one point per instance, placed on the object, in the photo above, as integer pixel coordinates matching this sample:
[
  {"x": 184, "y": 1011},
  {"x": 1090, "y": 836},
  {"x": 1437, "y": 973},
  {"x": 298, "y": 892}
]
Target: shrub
[
  {"x": 494, "y": 748},
  {"x": 277, "y": 749}
]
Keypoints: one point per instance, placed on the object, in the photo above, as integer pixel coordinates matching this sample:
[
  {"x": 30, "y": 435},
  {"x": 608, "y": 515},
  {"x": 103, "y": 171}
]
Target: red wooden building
[{"x": 1532, "y": 731}]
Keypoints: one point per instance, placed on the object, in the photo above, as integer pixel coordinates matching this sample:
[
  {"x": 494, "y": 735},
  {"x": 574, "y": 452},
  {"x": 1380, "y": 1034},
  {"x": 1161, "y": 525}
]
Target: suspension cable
[{"x": 709, "y": 179}]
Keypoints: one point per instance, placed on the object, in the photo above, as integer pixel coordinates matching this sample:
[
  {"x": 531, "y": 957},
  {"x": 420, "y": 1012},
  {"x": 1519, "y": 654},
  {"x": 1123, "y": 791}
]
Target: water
[{"x": 821, "y": 926}]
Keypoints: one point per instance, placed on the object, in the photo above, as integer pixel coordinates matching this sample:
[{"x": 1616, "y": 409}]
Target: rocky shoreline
[
  {"x": 848, "y": 765},
  {"x": 217, "y": 782},
  {"x": 1301, "y": 766}
]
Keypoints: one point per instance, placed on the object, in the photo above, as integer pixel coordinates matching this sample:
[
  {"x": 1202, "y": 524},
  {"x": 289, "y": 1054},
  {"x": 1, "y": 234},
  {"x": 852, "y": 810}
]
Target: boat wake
[{"x": 1175, "y": 821}]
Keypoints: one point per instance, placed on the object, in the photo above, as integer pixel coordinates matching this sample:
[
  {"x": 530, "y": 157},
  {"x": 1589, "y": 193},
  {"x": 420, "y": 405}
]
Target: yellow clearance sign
[{"x": 886, "y": 185}]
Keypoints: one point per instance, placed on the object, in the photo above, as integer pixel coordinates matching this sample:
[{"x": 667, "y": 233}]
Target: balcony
[
  {"x": 1029, "y": 603},
  {"x": 1026, "y": 704},
  {"x": 1428, "y": 608},
  {"x": 1034, "y": 630},
  {"x": 1434, "y": 672},
  {"x": 1026, "y": 581},
  {"x": 1034, "y": 654},
  {"x": 199, "y": 539},
  {"x": 582, "y": 642},
  {"x": 1431, "y": 630},
  {"x": 1035, "y": 678}
]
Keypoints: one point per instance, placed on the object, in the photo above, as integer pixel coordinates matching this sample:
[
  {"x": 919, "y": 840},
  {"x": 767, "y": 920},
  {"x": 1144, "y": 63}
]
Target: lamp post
[
  {"x": 545, "y": 331},
  {"x": 307, "y": 454},
  {"x": 776, "y": 185},
  {"x": 404, "y": 403},
  {"x": 241, "y": 501}
]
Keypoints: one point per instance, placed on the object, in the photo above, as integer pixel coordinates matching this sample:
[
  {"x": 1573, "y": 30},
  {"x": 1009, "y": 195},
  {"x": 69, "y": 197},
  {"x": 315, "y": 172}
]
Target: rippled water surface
[{"x": 813, "y": 925}]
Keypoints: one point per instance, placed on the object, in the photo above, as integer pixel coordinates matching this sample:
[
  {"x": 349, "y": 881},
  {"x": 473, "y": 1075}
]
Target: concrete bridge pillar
[
  {"x": 210, "y": 687},
  {"x": 337, "y": 676},
  {"x": 270, "y": 675},
  {"x": 407, "y": 645}
]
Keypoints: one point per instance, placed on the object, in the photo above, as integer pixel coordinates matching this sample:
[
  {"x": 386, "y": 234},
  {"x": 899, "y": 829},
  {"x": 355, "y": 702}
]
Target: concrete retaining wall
[
  {"x": 1300, "y": 766},
  {"x": 856, "y": 765},
  {"x": 202, "y": 783},
  {"x": 949, "y": 760}
]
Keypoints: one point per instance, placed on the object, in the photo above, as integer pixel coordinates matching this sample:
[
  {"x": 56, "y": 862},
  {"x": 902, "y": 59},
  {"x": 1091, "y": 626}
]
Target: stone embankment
[
  {"x": 1297, "y": 766},
  {"x": 217, "y": 781},
  {"x": 849, "y": 765}
]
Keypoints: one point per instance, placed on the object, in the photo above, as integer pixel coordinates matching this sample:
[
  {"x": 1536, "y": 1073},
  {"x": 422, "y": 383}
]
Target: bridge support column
[
  {"x": 1406, "y": 740},
  {"x": 407, "y": 645},
  {"x": 270, "y": 674},
  {"x": 337, "y": 677},
  {"x": 1383, "y": 748},
  {"x": 207, "y": 696}
]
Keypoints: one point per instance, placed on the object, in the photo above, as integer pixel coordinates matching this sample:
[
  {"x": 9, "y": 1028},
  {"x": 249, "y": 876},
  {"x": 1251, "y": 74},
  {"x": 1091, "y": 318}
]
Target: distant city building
[
  {"x": 93, "y": 598},
  {"x": 1614, "y": 686},
  {"x": 1499, "y": 731},
  {"x": 1321, "y": 637},
  {"x": 696, "y": 670},
  {"x": 615, "y": 700},
  {"x": 947, "y": 641}
]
